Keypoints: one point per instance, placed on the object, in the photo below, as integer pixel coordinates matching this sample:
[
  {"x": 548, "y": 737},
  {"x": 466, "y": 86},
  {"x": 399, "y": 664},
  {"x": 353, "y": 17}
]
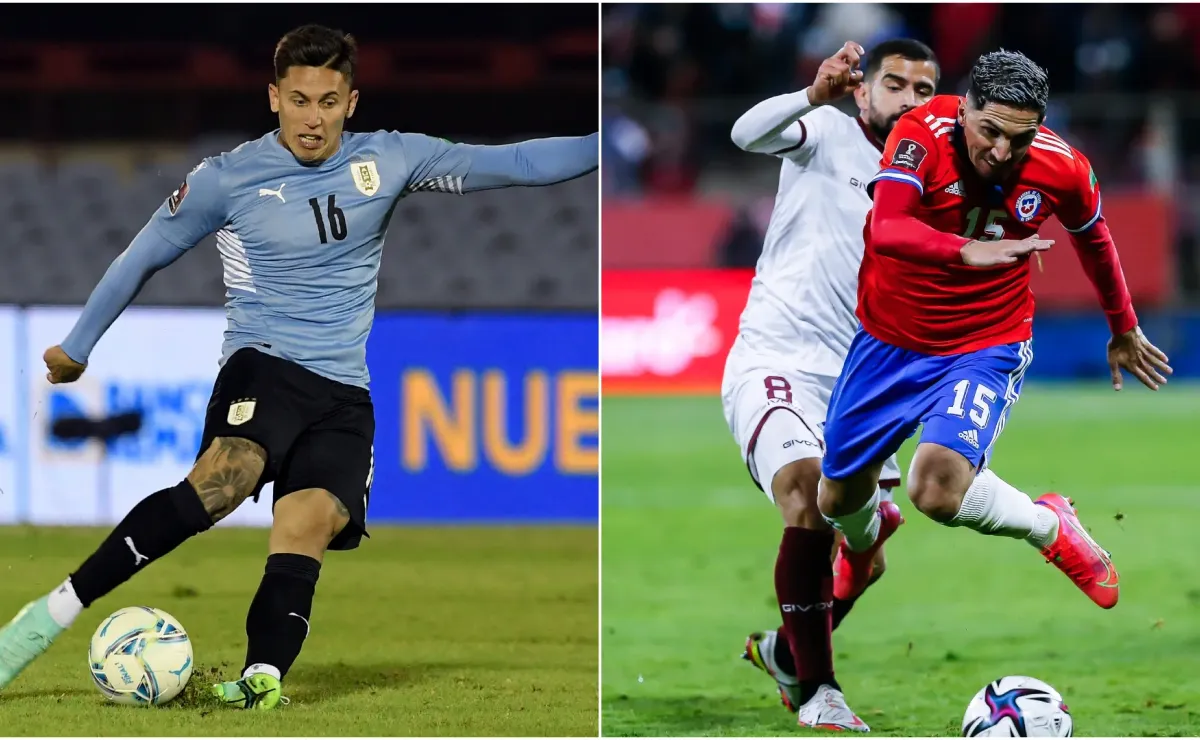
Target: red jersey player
[{"x": 946, "y": 315}]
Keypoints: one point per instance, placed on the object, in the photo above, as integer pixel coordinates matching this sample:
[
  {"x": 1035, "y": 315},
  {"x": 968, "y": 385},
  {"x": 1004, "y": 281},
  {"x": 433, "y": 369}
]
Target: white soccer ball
[
  {"x": 1017, "y": 706},
  {"x": 140, "y": 656}
]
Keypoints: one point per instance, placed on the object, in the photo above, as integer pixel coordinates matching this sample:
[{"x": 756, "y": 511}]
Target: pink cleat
[
  {"x": 1076, "y": 554},
  {"x": 852, "y": 570}
]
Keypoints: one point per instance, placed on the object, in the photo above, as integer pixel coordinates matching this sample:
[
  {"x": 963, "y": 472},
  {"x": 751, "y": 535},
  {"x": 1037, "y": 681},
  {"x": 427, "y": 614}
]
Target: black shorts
[{"x": 318, "y": 433}]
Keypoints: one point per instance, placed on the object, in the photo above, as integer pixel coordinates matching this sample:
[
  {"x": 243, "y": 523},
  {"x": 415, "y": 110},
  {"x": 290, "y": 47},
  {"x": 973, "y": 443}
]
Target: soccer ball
[
  {"x": 140, "y": 656},
  {"x": 1017, "y": 706}
]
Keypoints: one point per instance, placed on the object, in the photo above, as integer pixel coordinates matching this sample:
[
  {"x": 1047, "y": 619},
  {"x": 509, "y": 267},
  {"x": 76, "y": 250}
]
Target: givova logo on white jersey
[{"x": 680, "y": 330}]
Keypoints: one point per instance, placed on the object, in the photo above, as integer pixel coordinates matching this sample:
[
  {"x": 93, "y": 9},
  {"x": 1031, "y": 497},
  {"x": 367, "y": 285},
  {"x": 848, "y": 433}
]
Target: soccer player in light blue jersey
[{"x": 300, "y": 216}]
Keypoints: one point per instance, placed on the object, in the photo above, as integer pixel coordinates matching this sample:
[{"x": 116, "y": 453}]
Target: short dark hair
[
  {"x": 316, "y": 46},
  {"x": 1009, "y": 78},
  {"x": 909, "y": 49}
]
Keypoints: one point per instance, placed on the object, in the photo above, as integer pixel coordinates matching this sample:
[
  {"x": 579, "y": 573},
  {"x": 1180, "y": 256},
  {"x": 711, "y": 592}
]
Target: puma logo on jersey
[
  {"x": 137, "y": 556},
  {"x": 277, "y": 193},
  {"x": 957, "y": 189},
  {"x": 307, "y": 627}
]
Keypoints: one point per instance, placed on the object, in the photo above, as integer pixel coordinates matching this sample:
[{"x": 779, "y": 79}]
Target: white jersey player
[{"x": 795, "y": 332}]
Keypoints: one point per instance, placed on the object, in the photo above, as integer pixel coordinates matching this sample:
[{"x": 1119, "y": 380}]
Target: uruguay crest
[
  {"x": 1028, "y": 205},
  {"x": 366, "y": 177},
  {"x": 240, "y": 412}
]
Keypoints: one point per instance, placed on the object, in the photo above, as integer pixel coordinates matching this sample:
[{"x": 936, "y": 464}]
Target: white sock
[
  {"x": 861, "y": 527},
  {"x": 64, "y": 605},
  {"x": 270, "y": 670},
  {"x": 992, "y": 506}
]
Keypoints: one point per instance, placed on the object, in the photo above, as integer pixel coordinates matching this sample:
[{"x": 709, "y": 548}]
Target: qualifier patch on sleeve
[
  {"x": 177, "y": 198},
  {"x": 909, "y": 155}
]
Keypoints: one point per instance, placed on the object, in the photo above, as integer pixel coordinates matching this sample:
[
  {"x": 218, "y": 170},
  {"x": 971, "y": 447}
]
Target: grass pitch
[
  {"x": 689, "y": 547},
  {"x": 455, "y": 631}
]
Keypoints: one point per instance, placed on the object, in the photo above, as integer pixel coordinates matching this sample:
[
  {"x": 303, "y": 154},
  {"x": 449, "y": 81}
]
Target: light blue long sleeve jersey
[{"x": 300, "y": 244}]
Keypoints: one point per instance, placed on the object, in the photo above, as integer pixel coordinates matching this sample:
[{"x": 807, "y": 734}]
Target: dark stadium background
[
  {"x": 688, "y": 540},
  {"x": 484, "y": 361}
]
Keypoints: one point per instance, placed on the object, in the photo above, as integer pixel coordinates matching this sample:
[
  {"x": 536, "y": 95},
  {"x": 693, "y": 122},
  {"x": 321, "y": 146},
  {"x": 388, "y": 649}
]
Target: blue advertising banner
[
  {"x": 1073, "y": 346},
  {"x": 485, "y": 418},
  {"x": 479, "y": 418}
]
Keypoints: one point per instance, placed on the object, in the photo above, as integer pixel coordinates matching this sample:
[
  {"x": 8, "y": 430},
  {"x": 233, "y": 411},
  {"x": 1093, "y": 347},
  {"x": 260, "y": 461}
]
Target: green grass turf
[
  {"x": 418, "y": 632},
  {"x": 689, "y": 546}
]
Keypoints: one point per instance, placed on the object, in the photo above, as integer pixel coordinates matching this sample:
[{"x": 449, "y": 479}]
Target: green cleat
[
  {"x": 26, "y": 637},
  {"x": 256, "y": 691}
]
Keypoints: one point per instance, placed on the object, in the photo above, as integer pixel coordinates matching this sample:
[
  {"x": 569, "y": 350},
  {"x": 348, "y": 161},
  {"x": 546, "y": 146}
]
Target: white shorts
[{"x": 778, "y": 417}]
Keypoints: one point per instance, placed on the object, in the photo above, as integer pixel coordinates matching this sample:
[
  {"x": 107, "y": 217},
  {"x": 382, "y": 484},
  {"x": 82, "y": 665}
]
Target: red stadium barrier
[
  {"x": 1142, "y": 226},
  {"x": 663, "y": 232},
  {"x": 668, "y": 331}
]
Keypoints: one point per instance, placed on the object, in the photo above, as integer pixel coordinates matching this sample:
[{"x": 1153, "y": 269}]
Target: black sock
[
  {"x": 158, "y": 524},
  {"x": 278, "y": 619}
]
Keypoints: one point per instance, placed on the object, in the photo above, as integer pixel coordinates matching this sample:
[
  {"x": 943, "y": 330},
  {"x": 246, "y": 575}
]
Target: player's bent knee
[
  {"x": 847, "y": 495},
  {"x": 938, "y": 480},
  {"x": 794, "y": 488},
  {"x": 830, "y": 493},
  {"x": 306, "y": 521},
  {"x": 227, "y": 474}
]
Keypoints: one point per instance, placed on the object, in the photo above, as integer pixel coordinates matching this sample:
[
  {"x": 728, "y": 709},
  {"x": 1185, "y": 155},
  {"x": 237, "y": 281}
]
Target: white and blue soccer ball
[
  {"x": 1017, "y": 706},
  {"x": 140, "y": 656}
]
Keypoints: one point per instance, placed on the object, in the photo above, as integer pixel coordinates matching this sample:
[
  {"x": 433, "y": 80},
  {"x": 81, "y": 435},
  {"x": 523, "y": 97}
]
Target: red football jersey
[{"x": 950, "y": 307}]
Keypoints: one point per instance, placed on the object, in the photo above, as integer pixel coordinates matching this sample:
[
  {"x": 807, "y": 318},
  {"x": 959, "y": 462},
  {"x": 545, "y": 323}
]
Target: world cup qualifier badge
[
  {"x": 909, "y": 155},
  {"x": 177, "y": 198},
  {"x": 181, "y": 192},
  {"x": 1028, "y": 205}
]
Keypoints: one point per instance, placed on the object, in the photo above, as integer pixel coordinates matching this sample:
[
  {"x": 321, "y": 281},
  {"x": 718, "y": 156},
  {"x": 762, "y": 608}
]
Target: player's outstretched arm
[
  {"x": 1128, "y": 349},
  {"x": 440, "y": 166},
  {"x": 146, "y": 255},
  {"x": 774, "y": 126},
  {"x": 192, "y": 212},
  {"x": 897, "y": 231},
  {"x": 1134, "y": 354}
]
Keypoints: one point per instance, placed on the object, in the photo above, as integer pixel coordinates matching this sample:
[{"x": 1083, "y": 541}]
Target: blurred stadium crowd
[
  {"x": 118, "y": 107},
  {"x": 675, "y": 78}
]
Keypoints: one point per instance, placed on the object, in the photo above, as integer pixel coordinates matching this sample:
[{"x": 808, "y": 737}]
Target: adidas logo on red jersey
[{"x": 957, "y": 189}]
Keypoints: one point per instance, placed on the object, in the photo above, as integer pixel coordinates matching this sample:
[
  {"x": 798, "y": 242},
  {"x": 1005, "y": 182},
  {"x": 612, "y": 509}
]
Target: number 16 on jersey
[{"x": 337, "y": 220}]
